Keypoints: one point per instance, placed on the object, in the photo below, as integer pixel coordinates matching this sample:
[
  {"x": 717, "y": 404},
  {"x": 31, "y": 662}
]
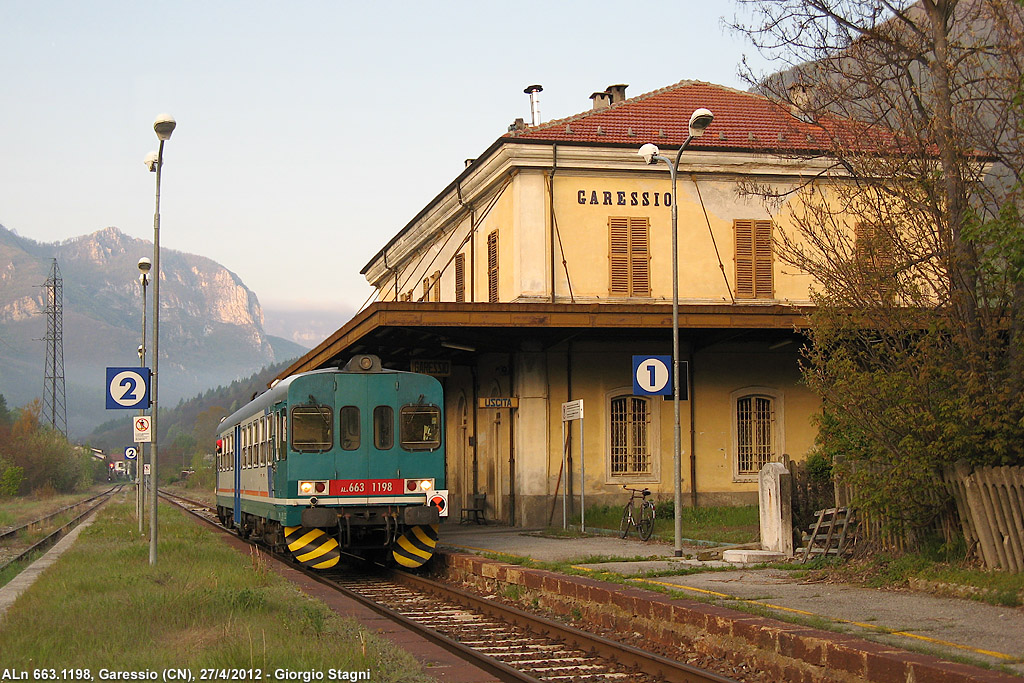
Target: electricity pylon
[{"x": 54, "y": 410}]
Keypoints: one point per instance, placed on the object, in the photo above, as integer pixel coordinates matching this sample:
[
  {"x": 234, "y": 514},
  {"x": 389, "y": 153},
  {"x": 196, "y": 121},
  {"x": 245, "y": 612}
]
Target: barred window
[
  {"x": 755, "y": 433},
  {"x": 630, "y": 436}
]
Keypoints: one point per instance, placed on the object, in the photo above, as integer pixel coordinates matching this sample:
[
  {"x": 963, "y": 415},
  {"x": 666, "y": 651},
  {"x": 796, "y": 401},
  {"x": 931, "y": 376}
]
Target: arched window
[
  {"x": 632, "y": 438},
  {"x": 756, "y": 430}
]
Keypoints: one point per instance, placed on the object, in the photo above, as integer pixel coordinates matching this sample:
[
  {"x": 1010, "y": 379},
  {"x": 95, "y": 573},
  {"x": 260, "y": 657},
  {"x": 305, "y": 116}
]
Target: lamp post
[
  {"x": 144, "y": 265},
  {"x": 163, "y": 126},
  {"x": 699, "y": 121}
]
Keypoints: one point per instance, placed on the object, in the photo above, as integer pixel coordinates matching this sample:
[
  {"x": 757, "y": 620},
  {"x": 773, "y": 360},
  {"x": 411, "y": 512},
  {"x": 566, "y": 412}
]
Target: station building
[{"x": 545, "y": 267}]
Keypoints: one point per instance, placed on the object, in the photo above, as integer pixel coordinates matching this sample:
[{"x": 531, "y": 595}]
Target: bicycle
[{"x": 645, "y": 523}]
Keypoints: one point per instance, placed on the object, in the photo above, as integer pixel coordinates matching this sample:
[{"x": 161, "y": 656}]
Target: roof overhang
[{"x": 399, "y": 332}]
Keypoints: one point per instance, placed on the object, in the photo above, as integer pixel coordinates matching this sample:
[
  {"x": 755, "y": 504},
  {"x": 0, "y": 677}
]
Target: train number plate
[{"x": 368, "y": 487}]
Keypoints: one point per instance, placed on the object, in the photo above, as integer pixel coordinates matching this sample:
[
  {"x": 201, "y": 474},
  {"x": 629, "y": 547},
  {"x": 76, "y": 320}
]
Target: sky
[{"x": 308, "y": 133}]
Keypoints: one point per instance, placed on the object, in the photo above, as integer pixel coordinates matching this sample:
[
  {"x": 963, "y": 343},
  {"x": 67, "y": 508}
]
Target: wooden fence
[{"x": 990, "y": 502}]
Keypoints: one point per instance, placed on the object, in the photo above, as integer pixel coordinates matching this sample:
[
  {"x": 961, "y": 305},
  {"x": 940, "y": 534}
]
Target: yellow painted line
[{"x": 870, "y": 627}]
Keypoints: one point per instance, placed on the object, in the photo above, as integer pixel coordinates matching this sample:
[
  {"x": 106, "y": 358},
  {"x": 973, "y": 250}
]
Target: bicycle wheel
[
  {"x": 627, "y": 521},
  {"x": 646, "y": 524}
]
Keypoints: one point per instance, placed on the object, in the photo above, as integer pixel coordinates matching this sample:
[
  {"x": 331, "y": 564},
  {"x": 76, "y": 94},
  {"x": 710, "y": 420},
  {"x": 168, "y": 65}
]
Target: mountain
[{"x": 211, "y": 324}]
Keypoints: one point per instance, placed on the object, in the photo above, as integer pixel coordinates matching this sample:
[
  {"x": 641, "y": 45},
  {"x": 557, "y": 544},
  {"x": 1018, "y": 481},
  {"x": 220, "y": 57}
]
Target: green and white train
[{"x": 334, "y": 460}]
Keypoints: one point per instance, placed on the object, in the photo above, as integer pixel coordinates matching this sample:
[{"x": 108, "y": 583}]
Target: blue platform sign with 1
[
  {"x": 127, "y": 388},
  {"x": 652, "y": 375}
]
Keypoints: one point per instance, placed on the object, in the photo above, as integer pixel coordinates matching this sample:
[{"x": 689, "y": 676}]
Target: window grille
[
  {"x": 755, "y": 433},
  {"x": 630, "y": 432}
]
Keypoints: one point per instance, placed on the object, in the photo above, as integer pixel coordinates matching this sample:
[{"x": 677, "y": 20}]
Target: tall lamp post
[
  {"x": 699, "y": 121},
  {"x": 144, "y": 266},
  {"x": 163, "y": 126}
]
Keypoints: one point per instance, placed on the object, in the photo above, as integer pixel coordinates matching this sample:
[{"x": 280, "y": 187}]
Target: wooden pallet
[{"x": 832, "y": 534}]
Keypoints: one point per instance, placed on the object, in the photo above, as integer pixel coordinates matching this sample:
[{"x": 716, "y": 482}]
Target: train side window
[
  {"x": 349, "y": 428},
  {"x": 383, "y": 428},
  {"x": 312, "y": 428},
  {"x": 420, "y": 428}
]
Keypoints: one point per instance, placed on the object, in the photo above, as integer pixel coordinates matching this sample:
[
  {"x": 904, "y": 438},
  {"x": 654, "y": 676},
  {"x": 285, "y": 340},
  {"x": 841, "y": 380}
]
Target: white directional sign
[
  {"x": 141, "y": 425},
  {"x": 131, "y": 453},
  {"x": 572, "y": 410},
  {"x": 127, "y": 388}
]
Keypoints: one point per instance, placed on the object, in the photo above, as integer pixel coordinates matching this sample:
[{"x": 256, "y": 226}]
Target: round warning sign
[{"x": 439, "y": 499}]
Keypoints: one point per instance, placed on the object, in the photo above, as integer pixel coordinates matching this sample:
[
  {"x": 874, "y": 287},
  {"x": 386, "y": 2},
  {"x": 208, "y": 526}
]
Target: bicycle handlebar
[{"x": 644, "y": 492}]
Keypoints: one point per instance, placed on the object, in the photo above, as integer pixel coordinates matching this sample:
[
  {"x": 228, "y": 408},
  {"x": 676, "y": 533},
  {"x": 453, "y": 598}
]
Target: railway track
[
  {"x": 509, "y": 643},
  {"x": 89, "y": 504}
]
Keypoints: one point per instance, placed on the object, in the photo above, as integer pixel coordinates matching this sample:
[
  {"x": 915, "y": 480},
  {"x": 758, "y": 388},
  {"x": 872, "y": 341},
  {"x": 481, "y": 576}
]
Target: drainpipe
[
  {"x": 512, "y": 413},
  {"x": 476, "y": 437},
  {"x": 551, "y": 220},
  {"x": 693, "y": 431}
]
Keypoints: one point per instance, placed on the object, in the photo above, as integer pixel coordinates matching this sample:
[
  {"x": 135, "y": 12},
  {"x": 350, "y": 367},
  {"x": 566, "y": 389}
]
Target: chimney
[
  {"x": 800, "y": 95},
  {"x": 602, "y": 100},
  {"x": 532, "y": 91},
  {"x": 617, "y": 92}
]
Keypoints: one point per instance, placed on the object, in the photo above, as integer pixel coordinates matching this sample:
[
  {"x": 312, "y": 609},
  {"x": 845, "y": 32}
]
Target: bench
[{"x": 475, "y": 512}]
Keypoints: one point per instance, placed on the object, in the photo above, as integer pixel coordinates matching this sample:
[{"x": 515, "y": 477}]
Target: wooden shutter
[
  {"x": 460, "y": 277},
  {"x": 754, "y": 259},
  {"x": 629, "y": 256},
  {"x": 639, "y": 257},
  {"x": 492, "y": 267},
  {"x": 435, "y": 286},
  {"x": 618, "y": 256}
]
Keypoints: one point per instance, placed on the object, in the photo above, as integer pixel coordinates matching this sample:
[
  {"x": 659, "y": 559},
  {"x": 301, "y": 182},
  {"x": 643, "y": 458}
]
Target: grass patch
[
  {"x": 24, "y": 509},
  {"x": 202, "y": 605},
  {"x": 725, "y": 524}
]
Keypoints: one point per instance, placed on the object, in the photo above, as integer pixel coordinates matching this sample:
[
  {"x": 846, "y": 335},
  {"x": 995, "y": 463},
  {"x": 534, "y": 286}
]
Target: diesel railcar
[{"x": 333, "y": 460}]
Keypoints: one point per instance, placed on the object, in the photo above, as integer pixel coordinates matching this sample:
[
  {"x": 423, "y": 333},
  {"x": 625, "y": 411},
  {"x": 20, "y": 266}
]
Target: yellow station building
[{"x": 545, "y": 267}]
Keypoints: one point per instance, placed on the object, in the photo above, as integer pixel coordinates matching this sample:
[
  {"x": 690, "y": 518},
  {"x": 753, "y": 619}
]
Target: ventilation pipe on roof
[
  {"x": 532, "y": 91},
  {"x": 617, "y": 92}
]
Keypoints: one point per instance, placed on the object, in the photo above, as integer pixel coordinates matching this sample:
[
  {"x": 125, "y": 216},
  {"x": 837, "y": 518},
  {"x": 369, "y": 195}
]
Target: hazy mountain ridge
[{"x": 211, "y": 324}]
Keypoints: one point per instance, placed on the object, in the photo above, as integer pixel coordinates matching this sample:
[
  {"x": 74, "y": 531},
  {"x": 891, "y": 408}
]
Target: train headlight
[
  {"x": 426, "y": 484},
  {"x": 418, "y": 485},
  {"x": 308, "y": 487}
]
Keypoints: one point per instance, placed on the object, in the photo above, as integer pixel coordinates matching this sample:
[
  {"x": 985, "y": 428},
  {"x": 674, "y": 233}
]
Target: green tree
[{"x": 917, "y": 341}]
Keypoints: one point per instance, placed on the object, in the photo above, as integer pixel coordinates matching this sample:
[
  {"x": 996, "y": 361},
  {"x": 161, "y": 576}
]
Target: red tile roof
[{"x": 743, "y": 121}]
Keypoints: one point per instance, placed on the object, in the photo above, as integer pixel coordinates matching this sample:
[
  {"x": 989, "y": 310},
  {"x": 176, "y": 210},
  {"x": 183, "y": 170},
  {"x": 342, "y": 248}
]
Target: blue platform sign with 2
[{"x": 127, "y": 388}]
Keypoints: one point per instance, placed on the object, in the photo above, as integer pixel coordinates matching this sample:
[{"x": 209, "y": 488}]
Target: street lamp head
[
  {"x": 151, "y": 161},
  {"x": 140, "y": 351},
  {"x": 699, "y": 121},
  {"x": 145, "y": 264},
  {"x": 648, "y": 152},
  {"x": 164, "y": 126}
]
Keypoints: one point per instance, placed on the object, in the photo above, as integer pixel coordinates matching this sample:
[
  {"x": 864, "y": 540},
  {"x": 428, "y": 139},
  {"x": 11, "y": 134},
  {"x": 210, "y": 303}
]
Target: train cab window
[
  {"x": 312, "y": 428},
  {"x": 349, "y": 428},
  {"x": 420, "y": 428},
  {"x": 383, "y": 428}
]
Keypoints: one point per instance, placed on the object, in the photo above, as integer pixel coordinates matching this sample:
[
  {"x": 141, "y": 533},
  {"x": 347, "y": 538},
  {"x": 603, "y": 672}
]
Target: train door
[
  {"x": 237, "y": 455},
  {"x": 353, "y": 459}
]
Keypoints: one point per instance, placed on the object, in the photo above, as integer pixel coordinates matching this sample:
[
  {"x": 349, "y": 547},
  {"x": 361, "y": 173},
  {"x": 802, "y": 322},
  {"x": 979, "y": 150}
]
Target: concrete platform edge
[{"x": 790, "y": 651}]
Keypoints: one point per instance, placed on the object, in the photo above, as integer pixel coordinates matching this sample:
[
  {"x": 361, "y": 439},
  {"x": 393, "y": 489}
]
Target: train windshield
[
  {"x": 312, "y": 429},
  {"x": 420, "y": 428}
]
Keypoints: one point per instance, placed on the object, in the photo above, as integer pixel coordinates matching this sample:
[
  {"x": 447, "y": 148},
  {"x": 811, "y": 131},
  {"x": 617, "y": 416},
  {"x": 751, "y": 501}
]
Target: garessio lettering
[{"x": 623, "y": 198}]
